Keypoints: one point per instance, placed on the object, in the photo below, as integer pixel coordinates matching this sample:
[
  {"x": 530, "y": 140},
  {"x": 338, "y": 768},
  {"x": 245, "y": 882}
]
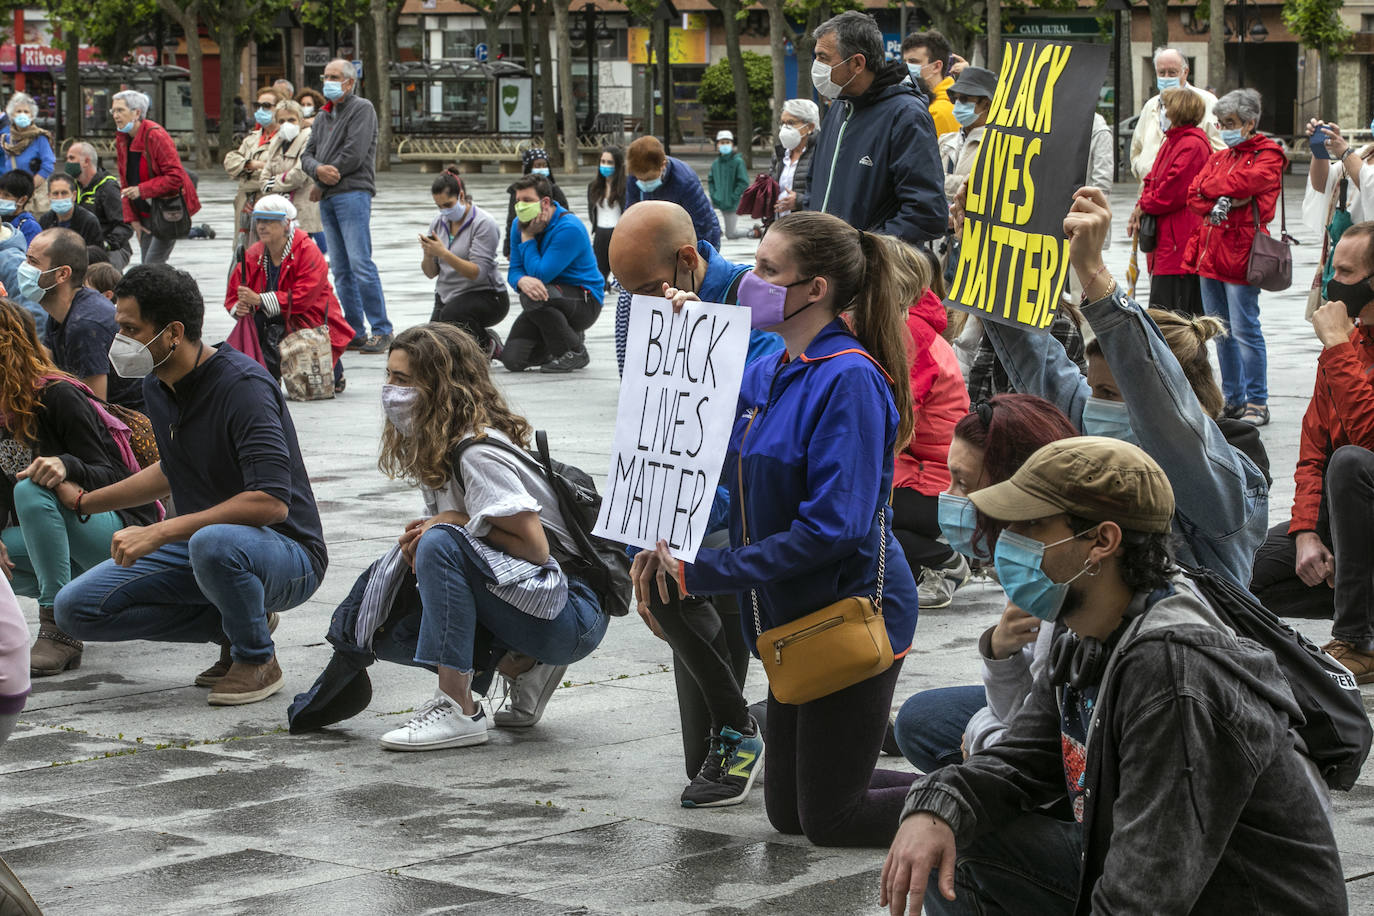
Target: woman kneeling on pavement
[
  {"x": 810, "y": 468},
  {"x": 490, "y": 518},
  {"x": 459, "y": 254},
  {"x": 52, "y": 441}
]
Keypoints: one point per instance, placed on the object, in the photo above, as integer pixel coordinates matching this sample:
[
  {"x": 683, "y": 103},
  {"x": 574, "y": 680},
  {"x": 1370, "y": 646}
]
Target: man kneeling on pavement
[
  {"x": 247, "y": 542},
  {"x": 1170, "y": 737}
]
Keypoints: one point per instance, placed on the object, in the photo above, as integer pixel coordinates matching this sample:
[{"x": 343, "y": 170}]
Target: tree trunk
[
  {"x": 188, "y": 17},
  {"x": 561, "y": 26},
  {"x": 526, "y": 35},
  {"x": 806, "y": 47},
  {"x": 1216, "y": 46},
  {"x": 1327, "y": 74},
  {"x": 544, "y": 20},
  {"x": 1159, "y": 31},
  {"x": 778, "y": 33},
  {"x": 72, "y": 123},
  {"x": 995, "y": 36},
  {"x": 744, "y": 113},
  {"x": 378, "y": 24},
  {"x": 228, "y": 39}
]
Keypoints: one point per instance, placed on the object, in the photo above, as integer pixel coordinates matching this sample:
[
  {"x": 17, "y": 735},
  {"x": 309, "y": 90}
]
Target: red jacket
[
  {"x": 1252, "y": 169},
  {"x": 939, "y": 399},
  {"x": 160, "y": 172},
  {"x": 1341, "y": 412},
  {"x": 1164, "y": 195},
  {"x": 306, "y": 298}
]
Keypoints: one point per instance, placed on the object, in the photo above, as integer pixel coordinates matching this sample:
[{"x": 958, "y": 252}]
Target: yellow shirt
[{"x": 942, "y": 109}]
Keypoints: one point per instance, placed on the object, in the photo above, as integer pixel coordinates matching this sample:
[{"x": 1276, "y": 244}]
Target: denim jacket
[{"x": 1222, "y": 497}]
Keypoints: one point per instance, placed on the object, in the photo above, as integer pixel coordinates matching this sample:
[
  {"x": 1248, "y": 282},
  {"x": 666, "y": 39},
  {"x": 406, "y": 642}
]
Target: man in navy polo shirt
[
  {"x": 247, "y": 543},
  {"x": 81, "y": 322}
]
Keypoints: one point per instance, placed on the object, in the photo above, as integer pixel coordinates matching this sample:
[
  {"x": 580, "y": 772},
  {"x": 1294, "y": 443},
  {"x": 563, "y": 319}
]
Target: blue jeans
[
  {"x": 1029, "y": 865},
  {"x": 1241, "y": 353},
  {"x": 455, "y": 598},
  {"x": 347, "y": 221},
  {"x": 219, "y": 586},
  {"x": 930, "y": 725},
  {"x": 320, "y": 241}
]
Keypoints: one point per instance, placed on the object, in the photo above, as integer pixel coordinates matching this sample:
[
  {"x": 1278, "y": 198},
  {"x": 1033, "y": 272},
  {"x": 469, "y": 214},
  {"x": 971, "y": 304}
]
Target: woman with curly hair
[
  {"x": 482, "y": 554},
  {"x": 52, "y": 445}
]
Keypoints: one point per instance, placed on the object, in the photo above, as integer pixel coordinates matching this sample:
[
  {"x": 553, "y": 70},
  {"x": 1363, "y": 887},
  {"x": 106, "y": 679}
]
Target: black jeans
[
  {"x": 601, "y": 244},
  {"x": 1346, "y": 526},
  {"x": 916, "y": 525},
  {"x": 474, "y": 311},
  {"x": 546, "y": 330},
  {"x": 821, "y": 757},
  {"x": 1180, "y": 293}
]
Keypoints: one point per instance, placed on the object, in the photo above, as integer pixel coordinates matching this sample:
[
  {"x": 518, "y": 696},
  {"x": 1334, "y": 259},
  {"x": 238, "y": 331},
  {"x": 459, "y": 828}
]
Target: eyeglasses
[{"x": 266, "y": 106}]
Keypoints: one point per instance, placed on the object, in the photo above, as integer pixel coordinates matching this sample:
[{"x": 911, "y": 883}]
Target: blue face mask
[
  {"x": 454, "y": 213},
  {"x": 958, "y": 522},
  {"x": 333, "y": 89},
  {"x": 606, "y": 171},
  {"x": 1232, "y": 137},
  {"x": 62, "y": 207},
  {"x": 726, "y": 149},
  {"x": 8, "y": 207},
  {"x": 544, "y": 172},
  {"x": 649, "y": 186},
  {"x": 965, "y": 113},
  {"x": 28, "y": 282},
  {"x": 1108, "y": 418},
  {"x": 1167, "y": 82},
  {"x": 129, "y": 128},
  {"x": 1018, "y": 560},
  {"x": 262, "y": 117},
  {"x": 22, "y": 120}
]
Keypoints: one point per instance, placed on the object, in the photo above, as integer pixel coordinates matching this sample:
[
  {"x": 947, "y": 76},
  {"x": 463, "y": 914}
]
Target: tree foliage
[
  {"x": 717, "y": 90},
  {"x": 1317, "y": 23}
]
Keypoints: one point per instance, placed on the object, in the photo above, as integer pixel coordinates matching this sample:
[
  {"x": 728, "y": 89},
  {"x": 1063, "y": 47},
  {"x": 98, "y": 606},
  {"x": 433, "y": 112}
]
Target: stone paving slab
[{"x": 161, "y": 804}]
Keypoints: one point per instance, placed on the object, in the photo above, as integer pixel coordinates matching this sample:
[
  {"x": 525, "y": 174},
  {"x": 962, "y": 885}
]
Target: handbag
[
  {"x": 307, "y": 365},
  {"x": 1148, "y": 232},
  {"x": 169, "y": 217},
  {"x": 827, "y": 650},
  {"x": 1271, "y": 259}
]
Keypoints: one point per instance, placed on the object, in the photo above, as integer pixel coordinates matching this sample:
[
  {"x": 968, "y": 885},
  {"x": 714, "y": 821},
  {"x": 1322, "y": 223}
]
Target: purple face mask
[{"x": 766, "y": 301}]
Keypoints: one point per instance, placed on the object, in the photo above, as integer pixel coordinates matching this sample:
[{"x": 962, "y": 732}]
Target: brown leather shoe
[
  {"x": 55, "y": 651},
  {"x": 216, "y": 672},
  {"x": 1361, "y": 664},
  {"x": 248, "y": 683}
]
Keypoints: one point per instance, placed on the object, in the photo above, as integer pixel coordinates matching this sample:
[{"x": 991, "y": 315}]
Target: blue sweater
[
  {"x": 562, "y": 253},
  {"x": 37, "y": 158},
  {"x": 817, "y": 469},
  {"x": 681, "y": 186}
]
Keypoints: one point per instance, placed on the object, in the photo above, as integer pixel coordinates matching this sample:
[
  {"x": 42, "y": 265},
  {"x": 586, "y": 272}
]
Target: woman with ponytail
[
  {"x": 810, "y": 468},
  {"x": 459, "y": 254},
  {"x": 1149, "y": 382}
]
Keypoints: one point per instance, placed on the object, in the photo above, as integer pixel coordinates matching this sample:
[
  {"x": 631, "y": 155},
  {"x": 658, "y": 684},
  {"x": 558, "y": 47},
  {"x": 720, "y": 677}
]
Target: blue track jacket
[{"x": 817, "y": 468}]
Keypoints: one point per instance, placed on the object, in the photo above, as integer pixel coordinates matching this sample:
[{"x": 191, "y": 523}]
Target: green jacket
[{"x": 728, "y": 181}]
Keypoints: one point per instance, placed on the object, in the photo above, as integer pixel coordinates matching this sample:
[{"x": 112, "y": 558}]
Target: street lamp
[{"x": 591, "y": 31}]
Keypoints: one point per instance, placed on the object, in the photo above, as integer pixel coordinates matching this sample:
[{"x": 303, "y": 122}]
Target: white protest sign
[{"x": 677, "y": 404}]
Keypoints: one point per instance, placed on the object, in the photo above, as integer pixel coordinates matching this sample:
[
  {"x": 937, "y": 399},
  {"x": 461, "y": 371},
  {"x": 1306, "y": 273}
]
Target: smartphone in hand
[{"x": 1318, "y": 143}]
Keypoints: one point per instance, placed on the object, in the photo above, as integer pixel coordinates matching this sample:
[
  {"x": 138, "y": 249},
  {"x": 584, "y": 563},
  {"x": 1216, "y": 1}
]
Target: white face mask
[
  {"x": 820, "y": 78},
  {"x": 308, "y": 109},
  {"x": 789, "y": 137},
  {"x": 289, "y": 131},
  {"x": 131, "y": 359},
  {"x": 398, "y": 404}
]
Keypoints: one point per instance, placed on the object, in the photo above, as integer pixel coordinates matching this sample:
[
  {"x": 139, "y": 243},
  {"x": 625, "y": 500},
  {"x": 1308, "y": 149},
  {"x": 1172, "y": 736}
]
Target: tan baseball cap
[{"x": 1093, "y": 477}]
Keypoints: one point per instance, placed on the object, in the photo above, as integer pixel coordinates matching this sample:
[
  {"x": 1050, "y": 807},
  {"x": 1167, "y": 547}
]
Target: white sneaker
[
  {"x": 937, "y": 586},
  {"x": 438, "y": 724}
]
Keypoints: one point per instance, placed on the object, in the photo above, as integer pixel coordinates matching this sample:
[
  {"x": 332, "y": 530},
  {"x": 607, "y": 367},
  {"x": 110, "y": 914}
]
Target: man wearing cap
[
  {"x": 727, "y": 182},
  {"x": 1168, "y": 736},
  {"x": 972, "y": 96}
]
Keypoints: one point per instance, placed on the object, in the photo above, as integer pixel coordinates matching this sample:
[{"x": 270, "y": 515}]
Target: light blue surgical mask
[
  {"x": 544, "y": 172},
  {"x": 965, "y": 113},
  {"x": 606, "y": 171},
  {"x": 1232, "y": 137},
  {"x": 1018, "y": 560},
  {"x": 62, "y": 207},
  {"x": 1167, "y": 82},
  {"x": 958, "y": 522},
  {"x": 29, "y": 276},
  {"x": 649, "y": 186},
  {"x": 1165, "y": 123},
  {"x": 333, "y": 89},
  {"x": 129, "y": 128},
  {"x": 1108, "y": 418},
  {"x": 262, "y": 117},
  {"x": 22, "y": 120},
  {"x": 8, "y": 207},
  {"x": 726, "y": 149}
]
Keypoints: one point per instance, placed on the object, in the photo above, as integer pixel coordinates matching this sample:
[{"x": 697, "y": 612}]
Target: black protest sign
[{"x": 1013, "y": 257}]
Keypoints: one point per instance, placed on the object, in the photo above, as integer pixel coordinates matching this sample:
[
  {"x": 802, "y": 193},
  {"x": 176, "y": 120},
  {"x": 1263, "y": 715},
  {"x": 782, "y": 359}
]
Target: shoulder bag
[
  {"x": 1271, "y": 259},
  {"x": 827, "y": 650}
]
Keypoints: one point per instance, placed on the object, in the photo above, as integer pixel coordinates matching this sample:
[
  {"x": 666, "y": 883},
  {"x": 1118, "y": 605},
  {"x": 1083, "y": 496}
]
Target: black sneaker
[
  {"x": 1233, "y": 411},
  {"x": 568, "y": 362},
  {"x": 732, "y": 762},
  {"x": 494, "y": 346},
  {"x": 358, "y": 342}
]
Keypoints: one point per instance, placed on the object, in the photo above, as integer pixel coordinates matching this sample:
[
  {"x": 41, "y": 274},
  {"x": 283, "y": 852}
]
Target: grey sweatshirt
[{"x": 345, "y": 137}]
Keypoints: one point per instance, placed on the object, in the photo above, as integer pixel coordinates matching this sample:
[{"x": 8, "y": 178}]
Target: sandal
[{"x": 1256, "y": 415}]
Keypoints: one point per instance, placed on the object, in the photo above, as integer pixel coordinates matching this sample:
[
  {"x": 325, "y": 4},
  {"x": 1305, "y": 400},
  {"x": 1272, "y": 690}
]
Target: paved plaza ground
[{"x": 124, "y": 793}]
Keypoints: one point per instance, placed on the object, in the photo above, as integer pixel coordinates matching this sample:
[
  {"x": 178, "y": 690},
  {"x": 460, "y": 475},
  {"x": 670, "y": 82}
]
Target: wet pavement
[{"x": 123, "y": 792}]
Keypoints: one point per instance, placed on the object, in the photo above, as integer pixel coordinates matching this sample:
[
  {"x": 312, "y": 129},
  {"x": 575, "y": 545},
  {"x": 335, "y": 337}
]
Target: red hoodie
[
  {"x": 1341, "y": 412},
  {"x": 939, "y": 399}
]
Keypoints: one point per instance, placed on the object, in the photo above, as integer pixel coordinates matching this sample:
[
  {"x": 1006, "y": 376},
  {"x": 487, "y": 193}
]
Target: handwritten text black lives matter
[
  {"x": 677, "y": 403},
  {"x": 1013, "y": 258}
]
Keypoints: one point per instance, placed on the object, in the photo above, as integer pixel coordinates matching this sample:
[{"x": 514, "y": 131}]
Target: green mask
[
  {"x": 72, "y": 168},
  {"x": 527, "y": 211}
]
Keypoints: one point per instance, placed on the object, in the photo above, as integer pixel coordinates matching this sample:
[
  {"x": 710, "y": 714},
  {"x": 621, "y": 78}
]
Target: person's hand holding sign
[
  {"x": 650, "y": 570},
  {"x": 679, "y": 297},
  {"x": 1086, "y": 227}
]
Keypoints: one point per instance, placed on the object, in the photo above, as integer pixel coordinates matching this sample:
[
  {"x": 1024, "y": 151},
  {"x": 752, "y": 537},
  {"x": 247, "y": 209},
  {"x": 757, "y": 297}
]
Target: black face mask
[{"x": 1355, "y": 295}]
